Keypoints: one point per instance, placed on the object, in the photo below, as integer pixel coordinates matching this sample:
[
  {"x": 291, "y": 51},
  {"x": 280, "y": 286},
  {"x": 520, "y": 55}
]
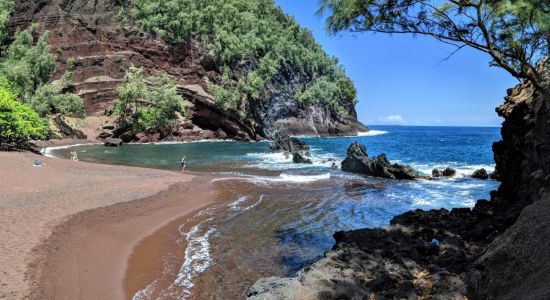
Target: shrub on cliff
[
  {"x": 28, "y": 63},
  {"x": 142, "y": 105},
  {"x": 30, "y": 67},
  {"x": 18, "y": 122},
  {"x": 5, "y": 12},
  {"x": 255, "y": 37}
]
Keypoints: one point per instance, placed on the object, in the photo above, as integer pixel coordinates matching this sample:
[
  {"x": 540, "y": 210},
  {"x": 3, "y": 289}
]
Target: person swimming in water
[{"x": 183, "y": 163}]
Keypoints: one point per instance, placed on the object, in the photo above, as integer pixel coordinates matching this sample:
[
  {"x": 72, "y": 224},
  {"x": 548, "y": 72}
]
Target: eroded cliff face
[
  {"x": 523, "y": 155},
  {"x": 89, "y": 32},
  {"x": 516, "y": 265},
  {"x": 497, "y": 250}
]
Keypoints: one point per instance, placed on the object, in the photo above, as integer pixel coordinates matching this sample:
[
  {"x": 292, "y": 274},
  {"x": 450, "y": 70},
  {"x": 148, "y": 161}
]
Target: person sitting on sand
[
  {"x": 183, "y": 162},
  {"x": 37, "y": 163}
]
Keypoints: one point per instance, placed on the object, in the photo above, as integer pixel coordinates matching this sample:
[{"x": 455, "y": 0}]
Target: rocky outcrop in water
[
  {"x": 358, "y": 161},
  {"x": 498, "y": 250},
  {"x": 447, "y": 172},
  {"x": 292, "y": 146},
  {"x": 288, "y": 144},
  {"x": 299, "y": 158},
  {"x": 480, "y": 174},
  {"x": 89, "y": 32}
]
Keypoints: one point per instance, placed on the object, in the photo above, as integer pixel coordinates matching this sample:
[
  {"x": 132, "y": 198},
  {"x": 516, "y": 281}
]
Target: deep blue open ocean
[{"x": 274, "y": 217}]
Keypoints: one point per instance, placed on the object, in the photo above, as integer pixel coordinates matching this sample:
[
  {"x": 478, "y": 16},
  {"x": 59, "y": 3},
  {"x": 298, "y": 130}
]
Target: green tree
[
  {"x": 30, "y": 67},
  {"x": 166, "y": 101},
  {"x": 515, "y": 33},
  {"x": 147, "y": 102},
  {"x": 50, "y": 99},
  {"x": 5, "y": 13},
  {"x": 18, "y": 122},
  {"x": 131, "y": 93},
  {"x": 256, "y": 37}
]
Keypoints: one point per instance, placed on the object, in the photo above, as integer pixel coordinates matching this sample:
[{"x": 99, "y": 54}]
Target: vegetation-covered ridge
[
  {"x": 258, "y": 39},
  {"x": 29, "y": 96}
]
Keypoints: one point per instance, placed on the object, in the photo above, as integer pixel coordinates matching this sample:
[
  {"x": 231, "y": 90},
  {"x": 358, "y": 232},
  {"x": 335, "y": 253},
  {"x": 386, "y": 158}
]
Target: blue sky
[{"x": 402, "y": 80}]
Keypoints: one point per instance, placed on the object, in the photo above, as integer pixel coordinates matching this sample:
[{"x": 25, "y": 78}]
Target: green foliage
[
  {"x": 325, "y": 89},
  {"x": 515, "y": 33},
  {"x": 7, "y": 85},
  {"x": 6, "y": 7},
  {"x": 18, "y": 122},
  {"x": 27, "y": 65},
  {"x": 50, "y": 98},
  {"x": 30, "y": 68},
  {"x": 163, "y": 93},
  {"x": 254, "y": 34},
  {"x": 142, "y": 105},
  {"x": 226, "y": 95}
]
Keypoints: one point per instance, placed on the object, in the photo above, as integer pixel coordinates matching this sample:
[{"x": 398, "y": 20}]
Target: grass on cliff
[{"x": 256, "y": 37}]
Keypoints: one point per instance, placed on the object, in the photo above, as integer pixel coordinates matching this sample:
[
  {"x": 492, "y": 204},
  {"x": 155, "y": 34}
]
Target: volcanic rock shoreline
[{"x": 497, "y": 250}]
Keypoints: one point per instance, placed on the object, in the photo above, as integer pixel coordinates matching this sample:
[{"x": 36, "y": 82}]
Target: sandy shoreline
[{"x": 71, "y": 227}]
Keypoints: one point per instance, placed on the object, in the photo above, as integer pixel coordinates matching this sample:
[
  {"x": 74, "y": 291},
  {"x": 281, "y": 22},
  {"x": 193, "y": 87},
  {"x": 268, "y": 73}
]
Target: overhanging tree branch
[{"x": 515, "y": 34}]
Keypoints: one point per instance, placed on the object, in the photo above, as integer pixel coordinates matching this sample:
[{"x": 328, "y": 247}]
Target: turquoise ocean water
[{"x": 275, "y": 217}]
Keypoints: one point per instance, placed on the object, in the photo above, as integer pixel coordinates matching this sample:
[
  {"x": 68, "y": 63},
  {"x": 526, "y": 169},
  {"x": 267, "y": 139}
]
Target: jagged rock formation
[
  {"x": 447, "y": 172},
  {"x": 62, "y": 128},
  {"x": 398, "y": 262},
  {"x": 299, "y": 158},
  {"x": 483, "y": 253},
  {"x": 89, "y": 32},
  {"x": 358, "y": 161},
  {"x": 480, "y": 174},
  {"x": 516, "y": 264},
  {"x": 288, "y": 144},
  {"x": 292, "y": 146}
]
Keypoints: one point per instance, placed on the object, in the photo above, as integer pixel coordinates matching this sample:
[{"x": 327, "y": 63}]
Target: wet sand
[{"x": 69, "y": 228}]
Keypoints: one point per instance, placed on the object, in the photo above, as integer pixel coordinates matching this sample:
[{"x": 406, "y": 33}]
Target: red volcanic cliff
[{"x": 88, "y": 32}]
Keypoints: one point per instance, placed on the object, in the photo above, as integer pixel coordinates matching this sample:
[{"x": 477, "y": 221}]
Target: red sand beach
[{"x": 69, "y": 228}]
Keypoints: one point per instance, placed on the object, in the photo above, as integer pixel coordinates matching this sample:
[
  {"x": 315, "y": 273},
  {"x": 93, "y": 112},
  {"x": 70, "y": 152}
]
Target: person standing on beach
[
  {"x": 74, "y": 156},
  {"x": 183, "y": 162}
]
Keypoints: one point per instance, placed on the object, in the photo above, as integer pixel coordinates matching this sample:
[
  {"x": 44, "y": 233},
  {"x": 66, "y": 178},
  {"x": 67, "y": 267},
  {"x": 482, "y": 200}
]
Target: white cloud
[{"x": 393, "y": 119}]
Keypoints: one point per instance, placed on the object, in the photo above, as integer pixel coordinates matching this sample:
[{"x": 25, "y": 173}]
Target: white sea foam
[
  {"x": 279, "y": 161},
  {"x": 255, "y": 204},
  {"x": 146, "y": 293},
  {"x": 302, "y": 178},
  {"x": 461, "y": 170},
  {"x": 364, "y": 133},
  {"x": 235, "y": 205},
  {"x": 289, "y": 178},
  {"x": 372, "y": 133},
  {"x": 283, "y": 178},
  {"x": 197, "y": 256},
  {"x": 48, "y": 150}
]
